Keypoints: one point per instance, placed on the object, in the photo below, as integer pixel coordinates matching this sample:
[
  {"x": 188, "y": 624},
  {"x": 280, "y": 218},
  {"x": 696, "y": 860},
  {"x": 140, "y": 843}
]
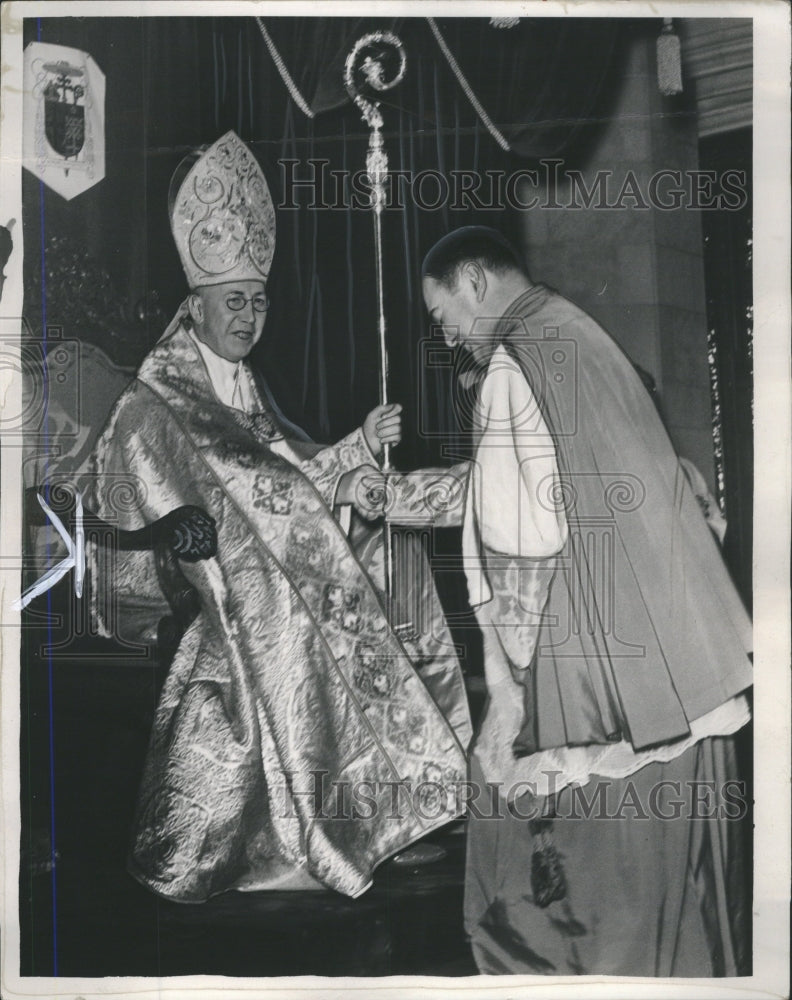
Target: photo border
[{"x": 773, "y": 405}]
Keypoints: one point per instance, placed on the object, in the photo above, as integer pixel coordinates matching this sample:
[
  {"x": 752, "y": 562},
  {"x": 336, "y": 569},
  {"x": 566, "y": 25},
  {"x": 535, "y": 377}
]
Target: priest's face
[
  {"x": 229, "y": 318},
  {"x": 459, "y": 310}
]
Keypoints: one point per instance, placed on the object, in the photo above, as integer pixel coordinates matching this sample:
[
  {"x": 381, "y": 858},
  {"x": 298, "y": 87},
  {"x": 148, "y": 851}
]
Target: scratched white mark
[{"x": 74, "y": 560}]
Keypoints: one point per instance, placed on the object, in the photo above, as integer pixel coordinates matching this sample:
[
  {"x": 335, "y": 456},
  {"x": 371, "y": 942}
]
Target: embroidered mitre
[{"x": 222, "y": 216}]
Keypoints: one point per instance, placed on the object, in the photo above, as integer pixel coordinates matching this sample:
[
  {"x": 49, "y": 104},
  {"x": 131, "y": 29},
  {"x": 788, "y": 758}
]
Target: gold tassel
[{"x": 669, "y": 60}]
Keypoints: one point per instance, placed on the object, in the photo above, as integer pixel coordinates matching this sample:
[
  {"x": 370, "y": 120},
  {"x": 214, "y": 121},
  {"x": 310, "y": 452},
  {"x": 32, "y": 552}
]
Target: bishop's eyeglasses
[{"x": 237, "y": 302}]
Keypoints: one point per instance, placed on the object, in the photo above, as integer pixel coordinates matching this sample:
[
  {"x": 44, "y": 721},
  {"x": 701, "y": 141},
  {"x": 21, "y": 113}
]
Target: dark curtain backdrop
[{"x": 111, "y": 273}]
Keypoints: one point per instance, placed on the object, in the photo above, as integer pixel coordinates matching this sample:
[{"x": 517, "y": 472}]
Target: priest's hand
[
  {"x": 365, "y": 489},
  {"x": 382, "y": 426}
]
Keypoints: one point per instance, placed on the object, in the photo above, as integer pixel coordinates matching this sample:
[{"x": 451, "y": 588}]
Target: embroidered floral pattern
[
  {"x": 272, "y": 494},
  {"x": 371, "y": 674},
  {"x": 307, "y": 551},
  {"x": 223, "y": 217},
  {"x": 407, "y": 728},
  {"x": 342, "y": 607},
  {"x": 438, "y": 790},
  {"x": 262, "y": 425}
]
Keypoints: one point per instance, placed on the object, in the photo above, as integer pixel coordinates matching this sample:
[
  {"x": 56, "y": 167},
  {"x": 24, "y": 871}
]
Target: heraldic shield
[
  {"x": 63, "y": 124},
  {"x": 64, "y": 109}
]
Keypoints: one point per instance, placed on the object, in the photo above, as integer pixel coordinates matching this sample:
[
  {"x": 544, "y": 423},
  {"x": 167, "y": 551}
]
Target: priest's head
[
  {"x": 469, "y": 279},
  {"x": 223, "y": 222}
]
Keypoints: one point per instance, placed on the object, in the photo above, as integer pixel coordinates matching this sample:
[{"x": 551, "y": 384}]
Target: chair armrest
[{"x": 188, "y": 531}]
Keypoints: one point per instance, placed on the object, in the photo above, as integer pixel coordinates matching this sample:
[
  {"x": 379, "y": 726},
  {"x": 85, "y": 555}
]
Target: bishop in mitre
[{"x": 298, "y": 740}]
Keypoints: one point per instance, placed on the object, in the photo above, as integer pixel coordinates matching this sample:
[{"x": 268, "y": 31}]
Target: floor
[{"x": 408, "y": 923}]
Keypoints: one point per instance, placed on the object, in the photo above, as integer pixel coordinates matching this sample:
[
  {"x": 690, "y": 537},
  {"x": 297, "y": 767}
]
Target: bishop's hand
[
  {"x": 364, "y": 488},
  {"x": 382, "y": 426}
]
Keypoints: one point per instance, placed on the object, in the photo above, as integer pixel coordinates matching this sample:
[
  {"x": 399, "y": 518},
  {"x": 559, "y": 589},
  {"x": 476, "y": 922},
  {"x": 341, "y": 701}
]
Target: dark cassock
[
  {"x": 298, "y": 741},
  {"x": 615, "y": 654}
]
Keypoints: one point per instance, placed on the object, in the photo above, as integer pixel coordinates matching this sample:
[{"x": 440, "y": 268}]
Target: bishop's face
[
  {"x": 229, "y": 318},
  {"x": 460, "y": 313}
]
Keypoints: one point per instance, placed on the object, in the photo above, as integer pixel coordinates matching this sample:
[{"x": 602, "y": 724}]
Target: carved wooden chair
[{"x": 187, "y": 533}]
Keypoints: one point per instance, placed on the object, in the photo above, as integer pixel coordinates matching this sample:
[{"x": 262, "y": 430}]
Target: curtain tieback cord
[
  {"x": 280, "y": 65},
  {"x": 496, "y": 134}
]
